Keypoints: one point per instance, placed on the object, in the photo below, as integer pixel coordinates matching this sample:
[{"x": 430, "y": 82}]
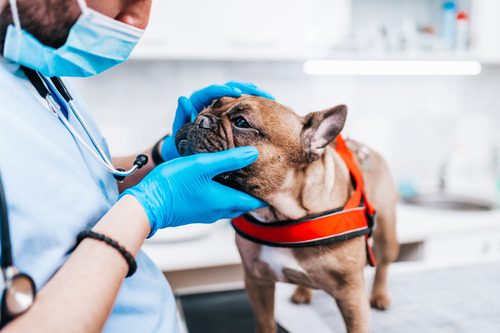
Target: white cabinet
[
  {"x": 485, "y": 27},
  {"x": 449, "y": 235},
  {"x": 305, "y": 29},
  {"x": 469, "y": 245},
  {"x": 235, "y": 29}
]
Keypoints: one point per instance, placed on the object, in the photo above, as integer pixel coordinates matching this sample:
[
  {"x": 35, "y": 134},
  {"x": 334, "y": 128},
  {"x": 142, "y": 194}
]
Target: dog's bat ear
[{"x": 320, "y": 129}]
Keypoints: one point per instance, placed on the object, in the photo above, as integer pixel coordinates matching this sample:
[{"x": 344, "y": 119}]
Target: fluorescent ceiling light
[{"x": 391, "y": 67}]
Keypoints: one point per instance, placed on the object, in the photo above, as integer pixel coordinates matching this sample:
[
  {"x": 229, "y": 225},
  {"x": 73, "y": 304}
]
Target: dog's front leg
[
  {"x": 261, "y": 296},
  {"x": 352, "y": 299}
]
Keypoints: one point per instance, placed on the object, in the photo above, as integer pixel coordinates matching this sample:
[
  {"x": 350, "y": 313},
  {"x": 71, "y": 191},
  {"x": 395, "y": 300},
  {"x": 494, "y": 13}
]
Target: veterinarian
[{"x": 59, "y": 181}]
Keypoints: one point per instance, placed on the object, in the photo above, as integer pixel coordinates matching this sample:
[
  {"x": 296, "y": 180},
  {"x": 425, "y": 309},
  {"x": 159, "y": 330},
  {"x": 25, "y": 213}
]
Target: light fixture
[{"x": 391, "y": 67}]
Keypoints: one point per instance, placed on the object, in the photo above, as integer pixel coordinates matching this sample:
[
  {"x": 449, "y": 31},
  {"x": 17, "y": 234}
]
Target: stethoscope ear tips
[
  {"x": 141, "y": 160},
  {"x": 119, "y": 178}
]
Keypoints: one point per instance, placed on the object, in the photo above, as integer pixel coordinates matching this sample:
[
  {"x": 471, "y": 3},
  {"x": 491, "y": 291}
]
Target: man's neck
[
  {"x": 3, "y": 25},
  {"x": 3, "y": 3}
]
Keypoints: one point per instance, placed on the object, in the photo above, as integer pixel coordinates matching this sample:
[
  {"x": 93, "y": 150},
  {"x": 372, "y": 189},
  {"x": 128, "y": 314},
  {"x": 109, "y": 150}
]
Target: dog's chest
[{"x": 280, "y": 260}]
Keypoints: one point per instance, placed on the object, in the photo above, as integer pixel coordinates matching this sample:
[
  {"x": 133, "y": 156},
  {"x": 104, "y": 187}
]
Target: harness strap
[
  {"x": 342, "y": 225},
  {"x": 359, "y": 193},
  {"x": 355, "y": 219}
]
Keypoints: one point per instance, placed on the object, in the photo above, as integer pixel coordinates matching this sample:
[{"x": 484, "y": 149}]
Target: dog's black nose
[{"x": 207, "y": 121}]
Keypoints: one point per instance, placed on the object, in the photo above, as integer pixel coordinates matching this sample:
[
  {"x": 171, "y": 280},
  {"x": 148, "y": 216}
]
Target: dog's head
[{"x": 285, "y": 140}]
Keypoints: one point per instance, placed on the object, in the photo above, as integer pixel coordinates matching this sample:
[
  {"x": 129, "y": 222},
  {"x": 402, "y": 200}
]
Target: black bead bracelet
[{"x": 132, "y": 265}]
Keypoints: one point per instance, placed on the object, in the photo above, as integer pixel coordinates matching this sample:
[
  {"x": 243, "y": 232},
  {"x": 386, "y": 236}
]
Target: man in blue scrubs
[{"x": 55, "y": 189}]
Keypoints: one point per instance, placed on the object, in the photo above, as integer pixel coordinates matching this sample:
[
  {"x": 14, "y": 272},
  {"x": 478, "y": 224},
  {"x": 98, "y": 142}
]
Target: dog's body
[{"x": 299, "y": 173}]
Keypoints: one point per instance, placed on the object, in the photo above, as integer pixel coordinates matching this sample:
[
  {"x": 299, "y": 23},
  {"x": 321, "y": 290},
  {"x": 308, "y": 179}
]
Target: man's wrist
[
  {"x": 127, "y": 222},
  {"x": 156, "y": 152},
  {"x": 129, "y": 258}
]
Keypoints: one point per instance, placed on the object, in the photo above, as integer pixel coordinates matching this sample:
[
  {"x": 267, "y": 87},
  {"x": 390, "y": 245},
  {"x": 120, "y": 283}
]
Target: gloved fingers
[
  {"x": 213, "y": 164},
  {"x": 168, "y": 149},
  {"x": 249, "y": 89},
  {"x": 183, "y": 114},
  {"x": 236, "y": 213},
  {"x": 243, "y": 202},
  {"x": 238, "y": 202},
  {"x": 201, "y": 98}
]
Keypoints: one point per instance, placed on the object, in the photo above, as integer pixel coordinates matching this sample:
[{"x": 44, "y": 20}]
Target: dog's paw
[
  {"x": 380, "y": 302},
  {"x": 302, "y": 295}
]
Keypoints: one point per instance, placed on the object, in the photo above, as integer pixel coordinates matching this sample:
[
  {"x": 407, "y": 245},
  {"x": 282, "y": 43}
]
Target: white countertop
[
  {"x": 200, "y": 245},
  {"x": 193, "y": 246},
  {"x": 416, "y": 224}
]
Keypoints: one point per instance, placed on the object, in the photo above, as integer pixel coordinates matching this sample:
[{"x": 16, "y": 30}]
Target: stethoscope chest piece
[
  {"x": 19, "y": 291},
  {"x": 18, "y": 295}
]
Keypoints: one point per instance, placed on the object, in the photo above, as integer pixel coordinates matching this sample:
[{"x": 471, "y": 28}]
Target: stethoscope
[
  {"x": 19, "y": 292},
  {"x": 52, "y": 89}
]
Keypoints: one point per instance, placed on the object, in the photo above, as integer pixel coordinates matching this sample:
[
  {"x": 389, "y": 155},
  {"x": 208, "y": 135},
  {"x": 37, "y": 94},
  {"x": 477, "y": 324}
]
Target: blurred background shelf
[
  {"x": 253, "y": 55},
  {"x": 295, "y": 30}
]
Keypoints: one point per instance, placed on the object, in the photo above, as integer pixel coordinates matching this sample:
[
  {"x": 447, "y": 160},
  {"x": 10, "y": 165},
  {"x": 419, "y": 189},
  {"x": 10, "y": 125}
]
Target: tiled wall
[{"x": 418, "y": 123}]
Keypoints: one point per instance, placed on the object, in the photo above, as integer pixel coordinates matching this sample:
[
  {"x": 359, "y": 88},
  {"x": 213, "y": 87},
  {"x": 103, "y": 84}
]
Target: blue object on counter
[
  {"x": 449, "y": 24},
  {"x": 407, "y": 189}
]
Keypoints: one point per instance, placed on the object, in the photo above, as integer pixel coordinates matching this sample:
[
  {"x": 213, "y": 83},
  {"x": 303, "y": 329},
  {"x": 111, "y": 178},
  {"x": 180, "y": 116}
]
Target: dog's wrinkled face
[{"x": 285, "y": 140}]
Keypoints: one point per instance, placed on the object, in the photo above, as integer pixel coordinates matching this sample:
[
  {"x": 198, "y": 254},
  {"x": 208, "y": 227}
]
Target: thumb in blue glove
[{"x": 182, "y": 191}]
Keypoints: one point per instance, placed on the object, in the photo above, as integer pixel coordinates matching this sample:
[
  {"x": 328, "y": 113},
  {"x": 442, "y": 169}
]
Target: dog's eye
[{"x": 241, "y": 122}]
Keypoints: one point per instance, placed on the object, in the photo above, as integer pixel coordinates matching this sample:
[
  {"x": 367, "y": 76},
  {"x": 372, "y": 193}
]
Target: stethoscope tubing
[
  {"x": 42, "y": 84},
  {"x": 89, "y": 133},
  {"x": 103, "y": 161},
  {"x": 61, "y": 90},
  {"x": 4, "y": 228}
]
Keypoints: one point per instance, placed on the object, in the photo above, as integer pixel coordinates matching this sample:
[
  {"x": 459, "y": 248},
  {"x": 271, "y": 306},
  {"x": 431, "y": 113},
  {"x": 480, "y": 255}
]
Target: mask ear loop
[{"x": 15, "y": 14}]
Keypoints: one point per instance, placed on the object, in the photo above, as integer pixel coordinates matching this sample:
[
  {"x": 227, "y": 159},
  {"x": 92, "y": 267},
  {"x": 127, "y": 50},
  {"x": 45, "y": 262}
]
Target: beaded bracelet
[{"x": 132, "y": 265}]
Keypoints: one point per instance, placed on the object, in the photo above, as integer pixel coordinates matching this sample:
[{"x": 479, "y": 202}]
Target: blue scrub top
[{"x": 54, "y": 190}]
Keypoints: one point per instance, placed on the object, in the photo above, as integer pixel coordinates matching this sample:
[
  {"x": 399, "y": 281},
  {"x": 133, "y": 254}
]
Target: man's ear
[{"x": 320, "y": 129}]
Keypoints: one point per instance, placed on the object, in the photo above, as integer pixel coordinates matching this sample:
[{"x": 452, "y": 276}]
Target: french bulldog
[{"x": 299, "y": 173}]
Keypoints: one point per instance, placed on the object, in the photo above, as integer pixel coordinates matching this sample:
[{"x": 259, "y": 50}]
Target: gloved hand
[
  {"x": 182, "y": 191},
  {"x": 188, "y": 108}
]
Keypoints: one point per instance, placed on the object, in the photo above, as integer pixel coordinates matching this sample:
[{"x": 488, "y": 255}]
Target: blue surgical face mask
[{"x": 95, "y": 43}]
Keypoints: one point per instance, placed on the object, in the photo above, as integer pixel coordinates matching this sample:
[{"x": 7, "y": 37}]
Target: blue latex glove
[
  {"x": 188, "y": 108},
  {"x": 182, "y": 191}
]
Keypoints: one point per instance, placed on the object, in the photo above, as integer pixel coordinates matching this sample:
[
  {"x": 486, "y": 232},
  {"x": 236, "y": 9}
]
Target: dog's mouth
[
  {"x": 233, "y": 179},
  {"x": 181, "y": 141},
  {"x": 191, "y": 139}
]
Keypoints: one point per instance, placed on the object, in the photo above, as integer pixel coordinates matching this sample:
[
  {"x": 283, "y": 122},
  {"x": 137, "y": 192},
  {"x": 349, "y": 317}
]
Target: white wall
[{"x": 416, "y": 122}]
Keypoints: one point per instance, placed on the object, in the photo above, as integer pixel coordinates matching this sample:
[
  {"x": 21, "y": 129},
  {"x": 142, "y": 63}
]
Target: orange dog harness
[{"x": 355, "y": 219}]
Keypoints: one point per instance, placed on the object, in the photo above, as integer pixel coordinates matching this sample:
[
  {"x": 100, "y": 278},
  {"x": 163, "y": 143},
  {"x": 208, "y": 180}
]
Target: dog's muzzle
[
  {"x": 207, "y": 121},
  {"x": 205, "y": 135},
  {"x": 201, "y": 136}
]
